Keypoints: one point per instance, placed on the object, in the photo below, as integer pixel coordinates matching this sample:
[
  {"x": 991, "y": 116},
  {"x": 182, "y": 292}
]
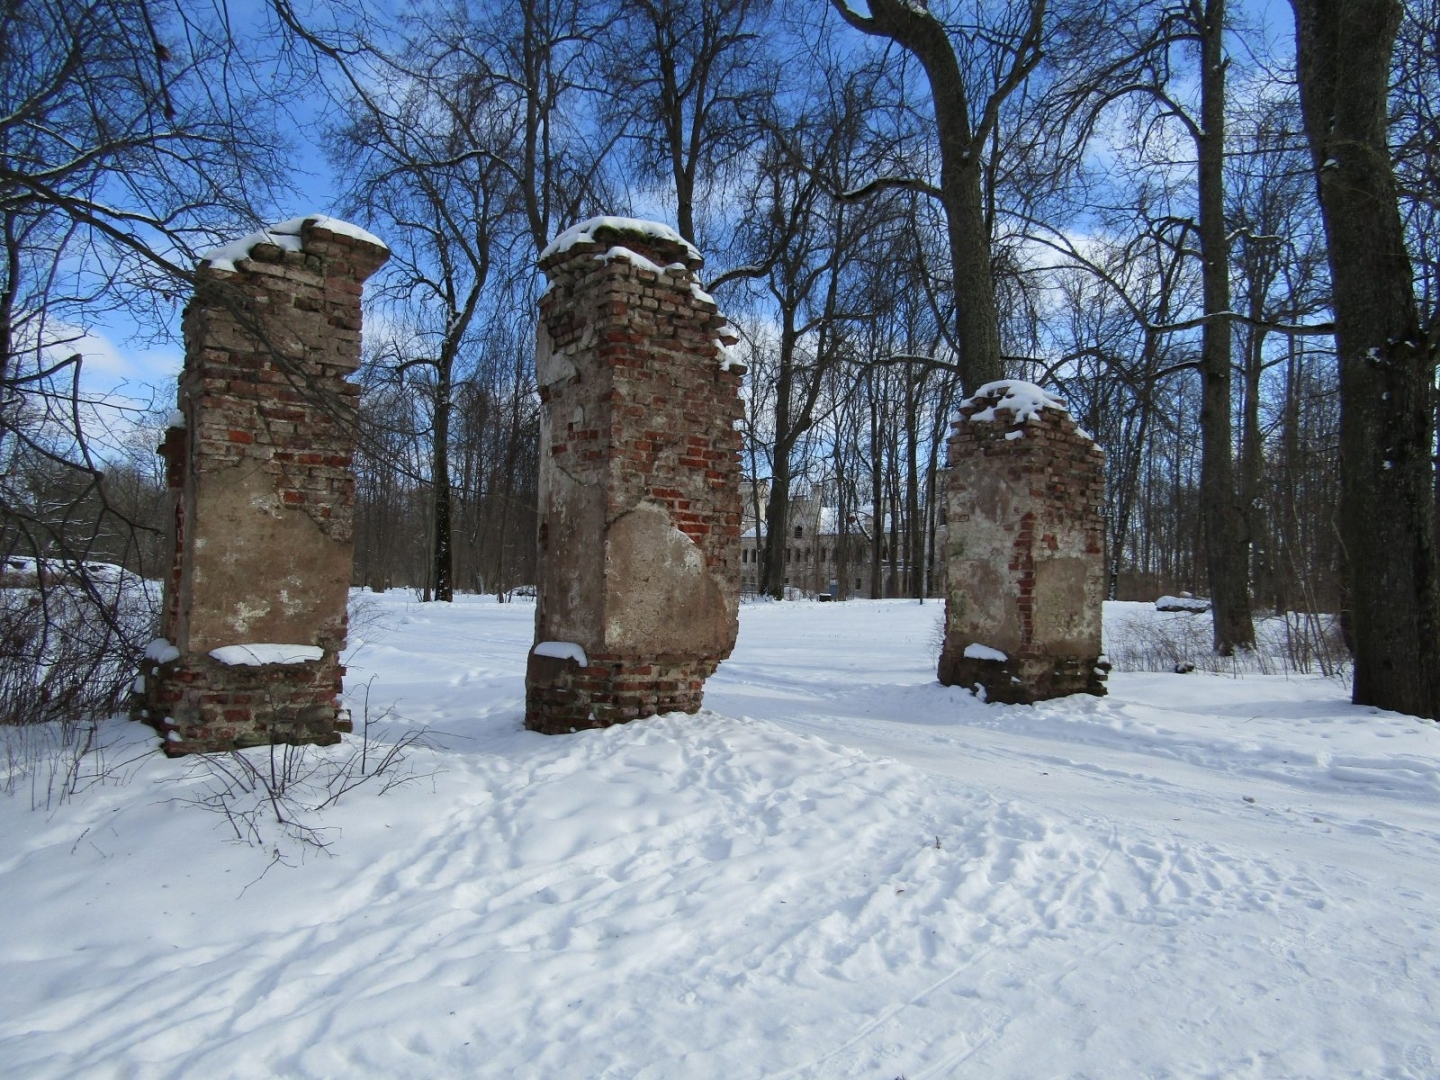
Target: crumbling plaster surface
[
  {"x": 250, "y": 537},
  {"x": 658, "y": 589}
]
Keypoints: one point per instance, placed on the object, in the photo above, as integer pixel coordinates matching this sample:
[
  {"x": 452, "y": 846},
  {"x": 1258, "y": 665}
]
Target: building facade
[{"x": 822, "y": 559}]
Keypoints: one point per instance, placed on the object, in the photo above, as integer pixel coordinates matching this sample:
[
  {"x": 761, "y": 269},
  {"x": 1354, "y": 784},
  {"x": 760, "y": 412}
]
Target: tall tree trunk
[
  {"x": 442, "y": 571},
  {"x": 1387, "y": 361},
  {"x": 777, "y": 510},
  {"x": 914, "y": 534},
  {"x": 1252, "y": 457},
  {"x": 877, "y": 494},
  {"x": 934, "y": 494},
  {"x": 840, "y": 552},
  {"x": 1226, "y": 543},
  {"x": 1289, "y": 576},
  {"x": 913, "y": 28}
]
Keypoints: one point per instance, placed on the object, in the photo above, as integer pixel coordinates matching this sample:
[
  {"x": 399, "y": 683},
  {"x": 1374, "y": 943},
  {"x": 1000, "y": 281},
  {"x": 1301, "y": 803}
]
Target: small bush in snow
[
  {"x": 70, "y": 639},
  {"x": 1182, "y": 642},
  {"x": 261, "y": 788}
]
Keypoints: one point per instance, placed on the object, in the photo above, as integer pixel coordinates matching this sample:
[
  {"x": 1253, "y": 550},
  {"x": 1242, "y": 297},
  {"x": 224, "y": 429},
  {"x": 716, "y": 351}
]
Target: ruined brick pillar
[
  {"x": 258, "y": 455},
  {"x": 1024, "y": 564},
  {"x": 639, "y": 557}
]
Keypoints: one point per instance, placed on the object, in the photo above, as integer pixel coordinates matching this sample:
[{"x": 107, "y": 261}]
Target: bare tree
[
  {"x": 1135, "y": 67},
  {"x": 422, "y": 148},
  {"x": 687, "y": 108},
  {"x": 1278, "y": 260},
  {"x": 963, "y": 140},
  {"x": 120, "y": 155}
]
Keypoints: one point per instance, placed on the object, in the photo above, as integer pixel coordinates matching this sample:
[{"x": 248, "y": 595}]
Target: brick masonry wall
[
  {"x": 1024, "y": 555},
  {"x": 639, "y": 492},
  {"x": 263, "y": 492},
  {"x": 201, "y": 705}
]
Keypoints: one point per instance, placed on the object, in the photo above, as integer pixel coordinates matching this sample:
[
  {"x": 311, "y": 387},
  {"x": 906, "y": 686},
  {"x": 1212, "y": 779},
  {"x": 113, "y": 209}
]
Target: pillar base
[
  {"x": 200, "y": 705},
  {"x": 561, "y": 696},
  {"x": 1024, "y": 680}
]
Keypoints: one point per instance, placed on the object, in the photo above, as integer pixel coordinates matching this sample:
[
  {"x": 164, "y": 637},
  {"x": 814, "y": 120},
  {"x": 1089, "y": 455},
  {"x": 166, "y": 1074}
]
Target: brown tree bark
[
  {"x": 1387, "y": 360},
  {"x": 1227, "y": 554},
  {"x": 442, "y": 555}
]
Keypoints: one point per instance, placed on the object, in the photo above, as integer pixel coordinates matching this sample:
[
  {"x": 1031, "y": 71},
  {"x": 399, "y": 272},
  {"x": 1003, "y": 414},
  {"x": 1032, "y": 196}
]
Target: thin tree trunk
[
  {"x": 877, "y": 495},
  {"x": 442, "y": 570},
  {"x": 777, "y": 511},
  {"x": 914, "y": 583}
]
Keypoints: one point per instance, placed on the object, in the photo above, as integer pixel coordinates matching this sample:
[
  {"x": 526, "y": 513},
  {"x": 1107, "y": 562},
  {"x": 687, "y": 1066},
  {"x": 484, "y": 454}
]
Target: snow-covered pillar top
[
  {"x": 296, "y": 234},
  {"x": 1012, "y": 403},
  {"x": 305, "y": 272},
  {"x": 653, "y": 248},
  {"x": 609, "y": 237}
]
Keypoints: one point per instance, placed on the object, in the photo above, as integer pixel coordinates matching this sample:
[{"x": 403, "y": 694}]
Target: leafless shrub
[
  {"x": 1178, "y": 642},
  {"x": 1295, "y": 643},
  {"x": 936, "y": 640},
  {"x": 287, "y": 787},
  {"x": 364, "y": 616},
  {"x": 1311, "y": 643},
  {"x": 70, "y": 636},
  {"x": 70, "y": 648}
]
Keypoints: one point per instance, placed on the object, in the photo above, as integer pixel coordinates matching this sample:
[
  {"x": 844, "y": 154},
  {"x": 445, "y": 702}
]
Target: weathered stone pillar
[
  {"x": 1025, "y": 576},
  {"x": 258, "y": 456},
  {"x": 639, "y": 571}
]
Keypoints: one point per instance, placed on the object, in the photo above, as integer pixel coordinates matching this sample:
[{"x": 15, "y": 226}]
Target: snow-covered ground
[{"x": 840, "y": 869}]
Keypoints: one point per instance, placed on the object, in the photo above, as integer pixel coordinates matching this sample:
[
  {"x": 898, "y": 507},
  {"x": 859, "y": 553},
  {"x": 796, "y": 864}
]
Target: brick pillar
[
  {"x": 639, "y": 567},
  {"x": 258, "y": 455},
  {"x": 1025, "y": 576}
]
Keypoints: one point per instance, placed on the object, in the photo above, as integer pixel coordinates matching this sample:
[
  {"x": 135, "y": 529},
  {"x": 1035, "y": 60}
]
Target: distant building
[{"x": 820, "y": 557}]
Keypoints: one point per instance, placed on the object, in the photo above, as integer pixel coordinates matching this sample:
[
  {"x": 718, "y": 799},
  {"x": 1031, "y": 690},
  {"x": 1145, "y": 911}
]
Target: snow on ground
[{"x": 840, "y": 869}]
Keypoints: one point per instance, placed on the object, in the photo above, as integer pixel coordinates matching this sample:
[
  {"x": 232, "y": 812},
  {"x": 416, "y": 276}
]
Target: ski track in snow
[{"x": 838, "y": 869}]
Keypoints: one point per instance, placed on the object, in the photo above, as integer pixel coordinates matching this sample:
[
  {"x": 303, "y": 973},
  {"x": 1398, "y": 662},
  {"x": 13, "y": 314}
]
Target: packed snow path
[{"x": 840, "y": 869}]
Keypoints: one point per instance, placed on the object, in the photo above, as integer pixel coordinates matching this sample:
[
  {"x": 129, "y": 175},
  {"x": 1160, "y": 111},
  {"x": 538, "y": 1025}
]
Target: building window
[
  {"x": 857, "y": 584},
  {"x": 799, "y": 532}
]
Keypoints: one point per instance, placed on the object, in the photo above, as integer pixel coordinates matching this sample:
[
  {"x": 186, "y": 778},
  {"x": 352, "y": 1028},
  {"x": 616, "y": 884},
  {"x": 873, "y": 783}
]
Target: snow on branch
[{"x": 889, "y": 183}]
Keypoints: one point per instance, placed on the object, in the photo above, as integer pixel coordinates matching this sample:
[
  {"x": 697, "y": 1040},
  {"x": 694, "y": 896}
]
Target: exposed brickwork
[
  {"x": 611, "y": 690},
  {"x": 202, "y": 705},
  {"x": 259, "y": 470},
  {"x": 1025, "y": 571},
  {"x": 640, "y": 504}
]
